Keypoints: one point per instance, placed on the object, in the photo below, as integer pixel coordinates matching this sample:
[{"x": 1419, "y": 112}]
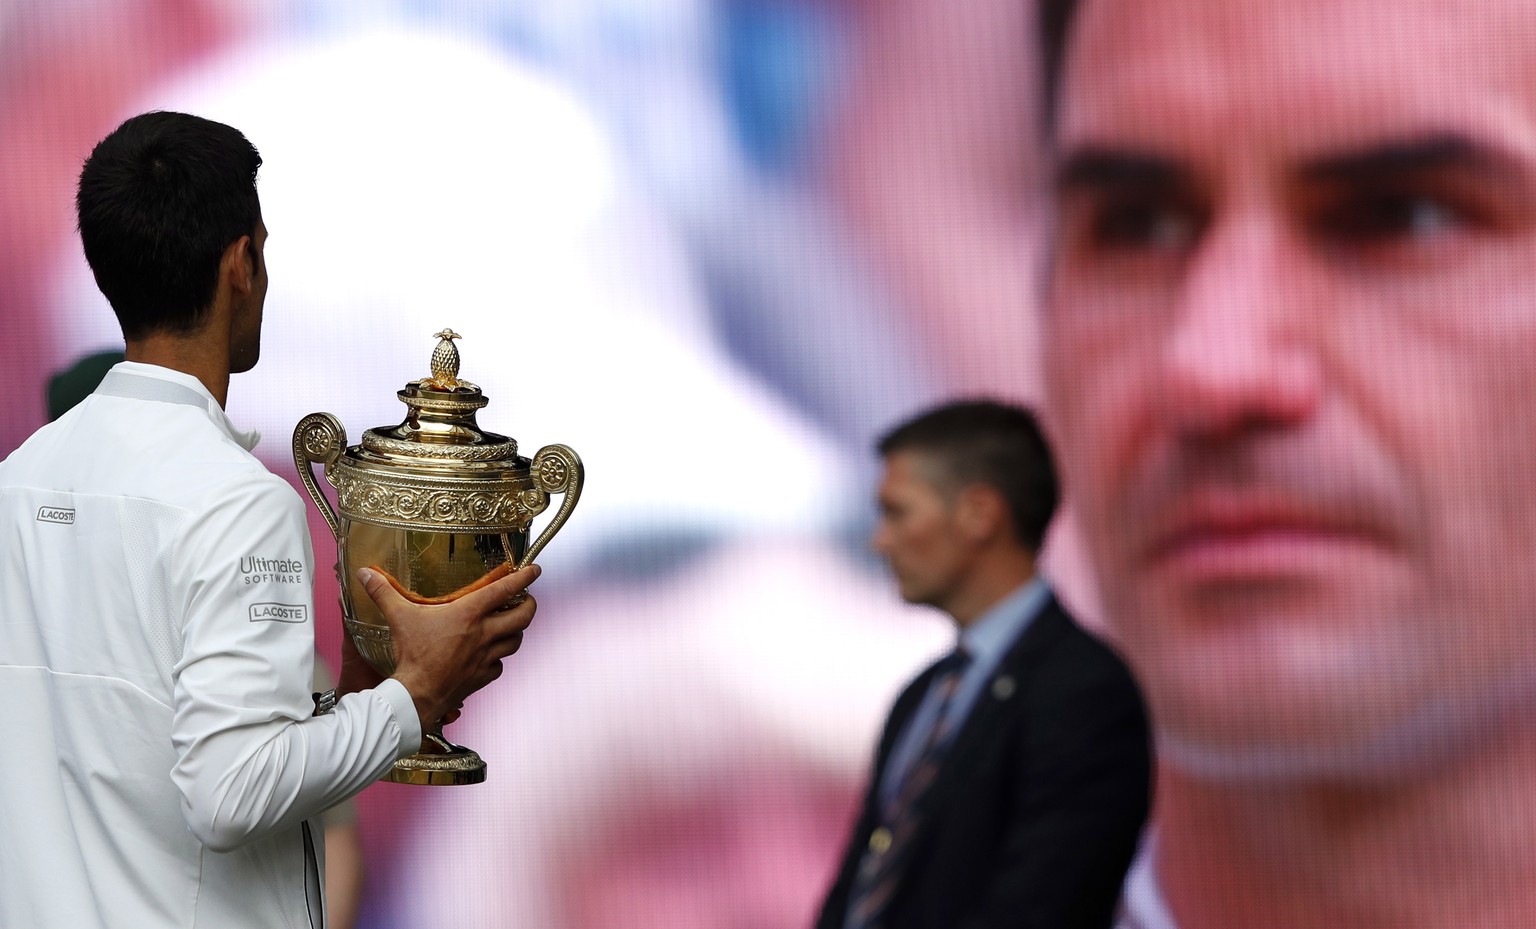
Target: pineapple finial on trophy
[{"x": 445, "y": 361}]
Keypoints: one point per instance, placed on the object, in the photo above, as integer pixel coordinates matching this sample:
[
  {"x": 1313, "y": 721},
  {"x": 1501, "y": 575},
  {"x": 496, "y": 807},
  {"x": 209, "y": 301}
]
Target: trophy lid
[{"x": 439, "y": 430}]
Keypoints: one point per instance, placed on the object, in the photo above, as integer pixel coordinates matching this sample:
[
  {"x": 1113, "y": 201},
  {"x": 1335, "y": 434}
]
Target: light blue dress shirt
[{"x": 987, "y": 641}]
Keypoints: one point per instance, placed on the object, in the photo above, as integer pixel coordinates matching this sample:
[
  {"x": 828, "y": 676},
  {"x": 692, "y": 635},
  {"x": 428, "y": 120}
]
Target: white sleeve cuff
[{"x": 399, "y": 700}]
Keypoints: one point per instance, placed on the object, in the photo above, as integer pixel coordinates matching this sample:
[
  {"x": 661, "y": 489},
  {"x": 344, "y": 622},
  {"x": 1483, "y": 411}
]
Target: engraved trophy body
[{"x": 437, "y": 505}]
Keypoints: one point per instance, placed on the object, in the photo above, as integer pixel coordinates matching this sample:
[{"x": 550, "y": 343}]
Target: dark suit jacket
[{"x": 1036, "y": 812}]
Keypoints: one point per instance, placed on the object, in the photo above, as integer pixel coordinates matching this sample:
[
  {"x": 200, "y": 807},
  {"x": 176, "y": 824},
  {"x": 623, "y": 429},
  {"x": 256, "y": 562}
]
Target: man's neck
[
  {"x": 1449, "y": 850},
  {"x": 205, "y": 359},
  {"x": 991, "y": 580}
]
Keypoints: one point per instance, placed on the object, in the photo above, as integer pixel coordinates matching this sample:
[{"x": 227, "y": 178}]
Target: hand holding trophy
[
  {"x": 439, "y": 511},
  {"x": 445, "y": 652}
]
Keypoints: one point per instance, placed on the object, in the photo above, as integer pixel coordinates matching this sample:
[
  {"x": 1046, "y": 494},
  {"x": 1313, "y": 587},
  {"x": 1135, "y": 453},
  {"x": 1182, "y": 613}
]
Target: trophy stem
[{"x": 439, "y": 763}]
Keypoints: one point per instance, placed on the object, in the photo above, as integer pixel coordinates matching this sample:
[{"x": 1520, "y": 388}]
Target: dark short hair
[
  {"x": 987, "y": 442},
  {"x": 160, "y": 200},
  {"x": 1053, "y": 22}
]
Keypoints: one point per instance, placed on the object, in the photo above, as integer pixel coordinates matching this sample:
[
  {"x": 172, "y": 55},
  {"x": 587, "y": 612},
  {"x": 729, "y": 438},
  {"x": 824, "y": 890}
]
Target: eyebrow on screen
[
  {"x": 1094, "y": 167},
  {"x": 1097, "y": 167},
  {"x": 1435, "y": 152}
]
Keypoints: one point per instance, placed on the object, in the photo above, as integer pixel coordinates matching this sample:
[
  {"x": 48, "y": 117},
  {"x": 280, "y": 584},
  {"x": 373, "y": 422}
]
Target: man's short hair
[
  {"x": 160, "y": 200},
  {"x": 1053, "y": 21},
  {"x": 991, "y": 443}
]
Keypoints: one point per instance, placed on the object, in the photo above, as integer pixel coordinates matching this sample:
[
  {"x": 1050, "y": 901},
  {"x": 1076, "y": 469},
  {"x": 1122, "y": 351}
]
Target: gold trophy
[{"x": 439, "y": 507}]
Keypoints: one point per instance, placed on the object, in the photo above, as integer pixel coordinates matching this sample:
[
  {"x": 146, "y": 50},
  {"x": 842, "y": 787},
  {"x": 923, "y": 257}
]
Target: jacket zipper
[{"x": 314, "y": 900}]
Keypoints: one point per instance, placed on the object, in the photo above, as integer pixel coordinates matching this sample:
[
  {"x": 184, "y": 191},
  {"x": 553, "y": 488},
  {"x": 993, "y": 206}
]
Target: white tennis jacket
[{"x": 162, "y": 766}]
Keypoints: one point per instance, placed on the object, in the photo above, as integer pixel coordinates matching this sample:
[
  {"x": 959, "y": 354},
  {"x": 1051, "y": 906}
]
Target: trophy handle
[
  {"x": 320, "y": 437},
  {"x": 556, "y": 469}
]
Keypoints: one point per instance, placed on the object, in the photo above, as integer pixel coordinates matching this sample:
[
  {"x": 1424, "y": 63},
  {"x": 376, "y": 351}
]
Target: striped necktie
[{"x": 885, "y": 859}]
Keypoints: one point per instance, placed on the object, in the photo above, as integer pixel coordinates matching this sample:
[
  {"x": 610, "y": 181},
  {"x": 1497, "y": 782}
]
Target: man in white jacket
[{"x": 156, "y": 608}]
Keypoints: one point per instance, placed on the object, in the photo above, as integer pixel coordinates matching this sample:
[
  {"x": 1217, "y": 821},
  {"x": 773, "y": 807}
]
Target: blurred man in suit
[{"x": 1012, "y": 779}]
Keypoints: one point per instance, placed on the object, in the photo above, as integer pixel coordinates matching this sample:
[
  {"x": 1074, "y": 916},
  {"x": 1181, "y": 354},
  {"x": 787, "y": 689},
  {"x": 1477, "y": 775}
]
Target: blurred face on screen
[{"x": 1291, "y": 344}]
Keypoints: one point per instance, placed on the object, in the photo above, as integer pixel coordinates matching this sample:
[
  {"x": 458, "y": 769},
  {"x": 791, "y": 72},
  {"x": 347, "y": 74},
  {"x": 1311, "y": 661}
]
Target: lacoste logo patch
[
  {"x": 279, "y": 612},
  {"x": 55, "y": 514}
]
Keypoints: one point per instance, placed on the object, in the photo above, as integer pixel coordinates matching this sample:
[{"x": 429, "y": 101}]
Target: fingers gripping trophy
[{"x": 439, "y": 508}]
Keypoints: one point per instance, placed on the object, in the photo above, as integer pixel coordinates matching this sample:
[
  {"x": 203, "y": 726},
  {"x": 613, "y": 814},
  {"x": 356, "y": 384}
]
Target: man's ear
[
  {"x": 238, "y": 265},
  {"x": 980, "y": 511}
]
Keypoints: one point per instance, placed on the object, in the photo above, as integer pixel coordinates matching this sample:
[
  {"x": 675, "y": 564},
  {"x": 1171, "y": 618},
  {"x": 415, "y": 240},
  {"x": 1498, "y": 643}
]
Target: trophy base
[{"x": 442, "y": 764}]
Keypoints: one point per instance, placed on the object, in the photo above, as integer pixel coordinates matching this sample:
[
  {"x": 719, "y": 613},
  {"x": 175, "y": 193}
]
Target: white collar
[{"x": 135, "y": 380}]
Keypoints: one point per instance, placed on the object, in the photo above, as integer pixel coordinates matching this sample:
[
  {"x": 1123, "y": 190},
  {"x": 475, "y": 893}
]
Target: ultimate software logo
[{"x": 257, "y": 570}]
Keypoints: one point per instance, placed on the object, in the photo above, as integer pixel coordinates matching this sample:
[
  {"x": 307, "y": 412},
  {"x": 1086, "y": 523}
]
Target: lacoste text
[
  {"x": 279, "y": 612},
  {"x": 53, "y": 514}
]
